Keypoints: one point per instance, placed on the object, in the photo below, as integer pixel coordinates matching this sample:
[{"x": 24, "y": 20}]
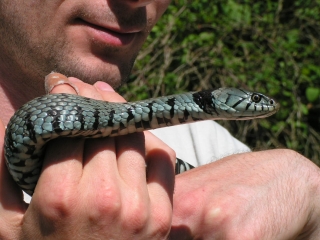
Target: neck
[{"x": 15, "y": 91}]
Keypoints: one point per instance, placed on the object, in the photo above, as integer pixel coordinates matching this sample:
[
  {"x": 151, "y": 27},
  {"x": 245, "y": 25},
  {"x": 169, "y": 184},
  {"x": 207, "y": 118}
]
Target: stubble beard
[
  {"x": 66, "y": 62},
  {"x": 34, "y": 60}
]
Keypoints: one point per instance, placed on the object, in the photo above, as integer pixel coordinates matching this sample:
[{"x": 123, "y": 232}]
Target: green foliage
[
  {"x": 268, "y": 46},
  {"x": 312, "y": 94}
]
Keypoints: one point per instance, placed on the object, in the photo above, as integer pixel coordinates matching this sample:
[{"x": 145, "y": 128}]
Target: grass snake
[{"x": 66, "y": 115}]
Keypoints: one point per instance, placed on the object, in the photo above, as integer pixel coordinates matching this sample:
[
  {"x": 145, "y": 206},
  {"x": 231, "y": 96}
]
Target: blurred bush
[{"x": 267, "y": 46}]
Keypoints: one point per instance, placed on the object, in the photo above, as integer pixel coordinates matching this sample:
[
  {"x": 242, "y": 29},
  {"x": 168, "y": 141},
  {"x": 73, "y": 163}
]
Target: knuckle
[
  {"x": 189, "y": 205},
  {"x": 136, "y": 223},
  {"x": 136, "y": 215},
  {"x": 106, "y": 203},
  {"x": 56, "y": 205},
  {"x": 163, "y": 222}
]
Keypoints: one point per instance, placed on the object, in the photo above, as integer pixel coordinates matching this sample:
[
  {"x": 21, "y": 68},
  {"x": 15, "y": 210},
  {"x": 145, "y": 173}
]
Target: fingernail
[
  {"x": 55, "y": 81},
  {"x": 103, "y": 86},
  {"x": 75, "y": 80}
]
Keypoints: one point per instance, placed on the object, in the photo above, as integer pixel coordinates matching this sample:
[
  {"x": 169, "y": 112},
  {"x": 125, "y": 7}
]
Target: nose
[{"x": 138, "y": 3}]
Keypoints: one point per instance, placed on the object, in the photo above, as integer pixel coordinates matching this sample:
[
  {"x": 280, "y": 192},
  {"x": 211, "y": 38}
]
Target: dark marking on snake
[
  {"x": 204, "y": 100},
  {"x": 196, "y": 119},
  {"x": 96, "y": 119},
  {"x": 30, "y": 127},
  {"x": 130, "y": 111},
  {"x": 138, "y": 125},
  {"x": 171, "y": 103},
  {"x": 160, "y": 120},
  {"x": 181, "y": 120},
  {"x": 56, "y": 125},
  {"x": 237, "y": 103},
  {"x": 167, "y": 121},
  {"x": 30, "y": 149},
  {"x": 115, "y": 131},
  {"x": 122, "y": 126},
  {"x": 248, "y": 105},
  {"x": 111, "y": 116},
  {"x": 150, "y": 109},
  {"x": 146, "y": 124},
  {"x": 186, "y": 114},
  {"x": 52, "y": 113}
]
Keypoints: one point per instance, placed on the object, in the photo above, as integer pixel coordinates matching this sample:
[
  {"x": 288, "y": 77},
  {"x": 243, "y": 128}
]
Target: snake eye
[{"x": 256, "y": 98}]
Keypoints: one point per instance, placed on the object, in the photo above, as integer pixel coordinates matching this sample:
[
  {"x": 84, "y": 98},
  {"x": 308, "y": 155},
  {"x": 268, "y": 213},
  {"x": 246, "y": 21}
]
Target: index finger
[
  {"x": 12, "y": 206},
  {"x": 59, "y": 83}
]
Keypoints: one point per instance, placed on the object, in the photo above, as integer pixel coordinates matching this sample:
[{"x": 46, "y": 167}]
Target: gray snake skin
[{"x": 65, "y": 115}]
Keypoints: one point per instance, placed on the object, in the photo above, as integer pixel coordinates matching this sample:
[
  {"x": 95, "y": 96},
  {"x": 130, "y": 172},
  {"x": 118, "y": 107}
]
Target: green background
[{"x": 266, "y": 46}]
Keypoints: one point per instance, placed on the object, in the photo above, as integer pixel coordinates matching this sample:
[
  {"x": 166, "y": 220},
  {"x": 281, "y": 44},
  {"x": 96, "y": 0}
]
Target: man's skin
[{"x": 98, "y": 189}]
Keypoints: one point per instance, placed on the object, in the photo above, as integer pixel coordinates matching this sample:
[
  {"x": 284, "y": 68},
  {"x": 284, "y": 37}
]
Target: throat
[{"x": 14, "y": 93}]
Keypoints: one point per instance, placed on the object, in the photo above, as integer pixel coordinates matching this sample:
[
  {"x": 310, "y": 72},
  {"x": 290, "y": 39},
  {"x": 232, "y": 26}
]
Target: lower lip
[{"x": 109, "y": 37}]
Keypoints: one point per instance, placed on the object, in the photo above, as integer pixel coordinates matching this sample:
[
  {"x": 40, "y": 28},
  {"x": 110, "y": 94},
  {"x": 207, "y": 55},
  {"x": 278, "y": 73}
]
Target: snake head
[{"x": 233, "y": 103}]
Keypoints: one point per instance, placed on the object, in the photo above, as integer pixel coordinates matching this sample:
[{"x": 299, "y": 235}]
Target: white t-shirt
[
  {"x": 200, "y": 143},
  {"x": 197, "y": 143}
]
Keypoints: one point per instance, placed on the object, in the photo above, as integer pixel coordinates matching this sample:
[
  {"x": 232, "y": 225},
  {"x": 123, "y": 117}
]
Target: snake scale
[{"x": 66, "y": 115}]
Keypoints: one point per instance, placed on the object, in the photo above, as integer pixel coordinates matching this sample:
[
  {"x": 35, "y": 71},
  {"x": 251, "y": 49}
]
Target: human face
[{"x": 92, "y": 40}]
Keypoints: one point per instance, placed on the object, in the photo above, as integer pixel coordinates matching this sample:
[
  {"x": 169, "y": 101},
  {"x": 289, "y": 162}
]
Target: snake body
[{"x": 65, "y": 115}]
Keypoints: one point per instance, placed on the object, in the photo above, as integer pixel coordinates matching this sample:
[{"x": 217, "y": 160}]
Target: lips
[{"x": 108, "y": 36}]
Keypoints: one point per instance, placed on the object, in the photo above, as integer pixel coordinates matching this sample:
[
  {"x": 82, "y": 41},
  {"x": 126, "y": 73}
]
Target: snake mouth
[
  {"x": 272, "y": 111},
  {"x": 258, "y": 114}
]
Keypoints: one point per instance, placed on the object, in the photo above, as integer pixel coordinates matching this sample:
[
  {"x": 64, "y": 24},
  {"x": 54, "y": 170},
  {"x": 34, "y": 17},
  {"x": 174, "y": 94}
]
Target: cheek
[
  {"x": 36, "y": 13},
  {"x": 28, "y": 20},
  {"x": 161, "y": 6},
  {"x": 155, "y": 10}
]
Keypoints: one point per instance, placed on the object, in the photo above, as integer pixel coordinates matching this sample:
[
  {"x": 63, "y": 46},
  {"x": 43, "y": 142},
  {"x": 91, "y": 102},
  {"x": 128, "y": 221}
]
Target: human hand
[
  {"x": 260, "y": 195},
  {"x": 93, "y": 189}
]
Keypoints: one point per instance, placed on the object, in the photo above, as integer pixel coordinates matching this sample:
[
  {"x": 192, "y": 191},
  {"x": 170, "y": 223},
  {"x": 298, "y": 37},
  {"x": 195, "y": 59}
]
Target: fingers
[
  {"x": 127, "y": 161},
  {"x": 160, "y": 164},
  {"x": 10, "y": 193},
  {"x": 160, "y": 175},
  {"x": 104, "y": 180},
  {"x": 62, "y": 168},
  {"x": 58, "y": 83},
  {"x": 107, "y": 93},
  {"x": 12, "y": 206}
]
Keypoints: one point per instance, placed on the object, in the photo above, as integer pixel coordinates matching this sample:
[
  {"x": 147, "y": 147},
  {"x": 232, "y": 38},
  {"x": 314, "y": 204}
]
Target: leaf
[
  {"x": 304, "y": 109},
  {"x": 312, "y": 94}
]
